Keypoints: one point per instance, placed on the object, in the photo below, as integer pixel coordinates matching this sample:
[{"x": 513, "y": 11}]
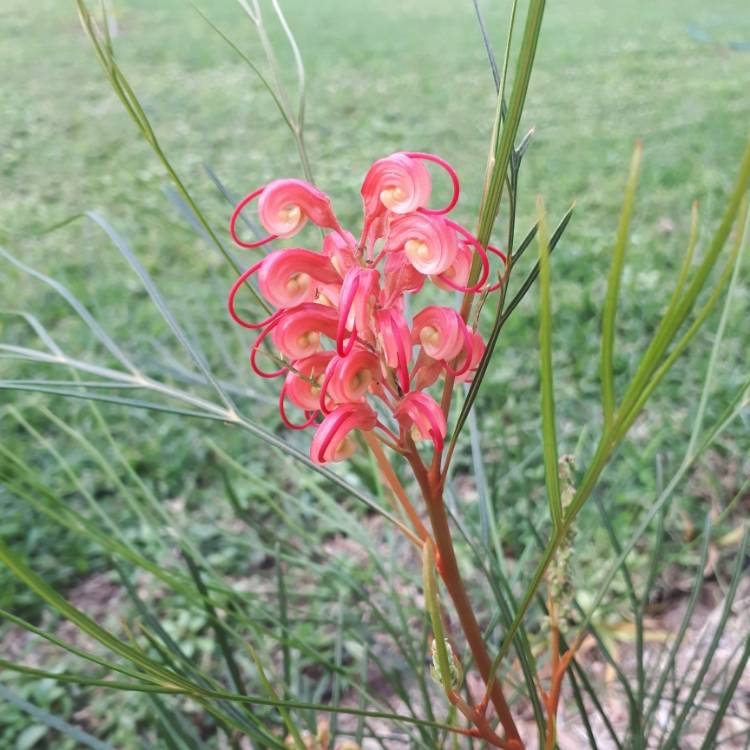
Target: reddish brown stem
[{"x": 448, "y": 568}]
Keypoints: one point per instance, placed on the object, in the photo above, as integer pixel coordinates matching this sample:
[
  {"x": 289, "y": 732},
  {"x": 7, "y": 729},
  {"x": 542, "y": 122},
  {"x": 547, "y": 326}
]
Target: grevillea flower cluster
[{"x": 351, "y": 356}]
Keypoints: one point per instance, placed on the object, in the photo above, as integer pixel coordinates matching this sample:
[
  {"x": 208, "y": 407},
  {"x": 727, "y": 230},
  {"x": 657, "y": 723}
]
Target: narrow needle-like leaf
[
  {"x": 549, "y": 431},
  {"x": 613, "y": 288}
]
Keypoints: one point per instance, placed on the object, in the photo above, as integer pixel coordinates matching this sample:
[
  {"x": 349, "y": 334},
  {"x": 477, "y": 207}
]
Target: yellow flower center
[
  {"x": 361, "y": 380},
  {"x": 308, "y": 340},
  {"x": 297, "y": 283},
  {"x": 290, "y": 214},
  {"x": 417, "y": 249},
  {"x": 392, "y": 196},
  {"x": 429, "y": 336}
]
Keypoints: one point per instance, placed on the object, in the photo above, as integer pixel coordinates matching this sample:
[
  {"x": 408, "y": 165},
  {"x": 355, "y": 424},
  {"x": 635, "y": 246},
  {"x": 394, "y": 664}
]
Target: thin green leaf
[
  {"x": 125, "y": 93},
  {"x": 500, "y": 322},
  {"x": 549, "y": 430},
  {"x": 681, "y": 306},
  {"x": 613, "y": 288},
  {"x": 155, "y": 671},
  {"x": 80, "y": 310},
  {"x": 743, "y": 231},
  {"x": 487, "y": 46},
  {"x": 503, "y": 142},
  {"x": 286, "y": 657},
  {"x": 176, "y": 731}
]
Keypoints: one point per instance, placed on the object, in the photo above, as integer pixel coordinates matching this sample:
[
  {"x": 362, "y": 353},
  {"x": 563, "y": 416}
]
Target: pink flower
[
  {"x": 396, "y": 183},
  {"x": 441, "y": 331},
  {"x": 422, "y": 415},
  {"x": 456, "y": 276},
  {"x": 303, "y": 382},
  {"x": 428, "y": 241},
  {"x": 395, "y": 344},
  {"x": 359, "y": 293},
  {"x": 332, "y": 441},
  {"x": 283, "y": 208},
  {"x": 297, "y": 332},
  {"x": 340, "y": 248},
  {"x": 285, "y": 205},
  {"x": 349, "y": 379},
  {"x": 465, "y": 374},
  {"x": 339, "y": 319},
  {"x": 292, "y": 276}
]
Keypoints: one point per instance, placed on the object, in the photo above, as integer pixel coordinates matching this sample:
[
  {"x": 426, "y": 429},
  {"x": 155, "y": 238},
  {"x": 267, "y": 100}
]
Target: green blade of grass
[
  {"x": 79, "y": 308},
  {"x": 175, "y": 731},
  {"x": 221, "y": 636},
  {"x": 727, "y": 694},
  {"x": 70, "y": 648},
  {"x": 148, "y": 283},
  {"x": 697, "y": 679},
  {"x": 125, "y": 93},
  {"x": 128, "y": 402},
  {"x": 85, "y": 680},
  {"x": 671, "y": 662},
  {"x": 19, "y": 569}
]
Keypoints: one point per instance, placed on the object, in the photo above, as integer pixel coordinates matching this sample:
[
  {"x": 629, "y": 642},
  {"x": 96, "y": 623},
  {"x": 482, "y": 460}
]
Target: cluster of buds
[{"x": 339, "y": 317}]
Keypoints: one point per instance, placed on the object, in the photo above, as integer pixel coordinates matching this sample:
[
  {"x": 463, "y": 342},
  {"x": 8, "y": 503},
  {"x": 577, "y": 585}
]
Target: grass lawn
[{"x": 382, "y": 76}]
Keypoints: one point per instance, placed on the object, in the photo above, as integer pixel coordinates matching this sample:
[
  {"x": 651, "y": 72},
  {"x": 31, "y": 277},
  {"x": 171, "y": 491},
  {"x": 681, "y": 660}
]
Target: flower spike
[
  {"x": 467, "y": 358},
  {"x": 348, "y": 294},
  {"x": 340, "y": 320},
  {"x": 302, "y": 382},
  {"x": 349, "y": 379},
  {"x": 456, "y": 276},
  {"x": 285, "y": 206},
  {"x": 396, "y": 344},
  {"x": 477, "y": 352},
  {"x": 397, "y": 183},
  {"x": 441, "y": 331}
]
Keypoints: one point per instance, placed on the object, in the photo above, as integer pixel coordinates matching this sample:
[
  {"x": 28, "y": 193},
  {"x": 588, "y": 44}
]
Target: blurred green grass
[{"x": 383, "y": 76}]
